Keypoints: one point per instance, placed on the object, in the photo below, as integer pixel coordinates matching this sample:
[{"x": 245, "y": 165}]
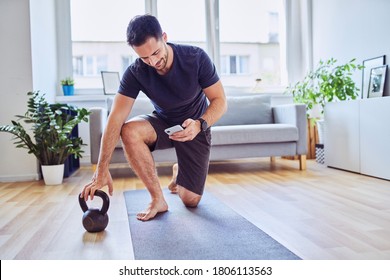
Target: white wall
[
  {"x": 26, "y": 64},
  {"x": 15, "y": 81},
  {"x": 346, "y": 29}
]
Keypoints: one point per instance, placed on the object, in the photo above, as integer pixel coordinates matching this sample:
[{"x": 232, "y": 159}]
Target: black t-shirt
[{"x": 177, "y": 95}]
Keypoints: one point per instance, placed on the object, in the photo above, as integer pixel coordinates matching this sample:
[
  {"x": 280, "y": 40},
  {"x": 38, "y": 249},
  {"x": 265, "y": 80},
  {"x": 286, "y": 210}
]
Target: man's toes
[
  {"x": 145, "y": 216},
  {"x": 140, "y": 216}
]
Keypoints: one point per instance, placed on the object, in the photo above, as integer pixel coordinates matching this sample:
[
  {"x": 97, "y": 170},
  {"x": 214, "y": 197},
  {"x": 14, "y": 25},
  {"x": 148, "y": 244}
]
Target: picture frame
[
  {"x": 377, "y": 81},
  {"x": 111, "y": 82},
  {"x": 366, "y": 72}
]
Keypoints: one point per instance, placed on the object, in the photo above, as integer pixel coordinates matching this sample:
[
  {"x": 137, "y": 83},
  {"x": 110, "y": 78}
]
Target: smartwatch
[{"x": 203, "y": 124}]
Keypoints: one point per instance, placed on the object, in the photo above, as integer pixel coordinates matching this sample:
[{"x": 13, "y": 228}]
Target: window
[
  {"x": 249, "y": 37},
  {"x": 126, "y": 61},
  {"x": 183, "y": 21},
  {"x": 89, "y": 65},
  {"x": 273, "y": 32},
  {"x": 78, "y": 66},
  {"x": 234, "y": 65},
  {"x": 251, "y": 33},
  {"x": 99, "y": 38}
]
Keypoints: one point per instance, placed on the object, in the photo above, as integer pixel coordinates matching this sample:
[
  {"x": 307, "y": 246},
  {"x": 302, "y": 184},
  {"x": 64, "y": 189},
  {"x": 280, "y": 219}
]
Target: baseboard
[
  {"x": 85, "y": 159},
  {"x": 20, "y": 178}
]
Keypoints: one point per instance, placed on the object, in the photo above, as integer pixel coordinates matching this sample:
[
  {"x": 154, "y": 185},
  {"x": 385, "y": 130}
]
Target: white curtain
[{"x": 299, "y": 39}]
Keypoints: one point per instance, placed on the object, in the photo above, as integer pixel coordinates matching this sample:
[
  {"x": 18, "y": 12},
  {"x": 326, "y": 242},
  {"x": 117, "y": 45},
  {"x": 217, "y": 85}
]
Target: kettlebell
[{"x": 95, "y": 220}]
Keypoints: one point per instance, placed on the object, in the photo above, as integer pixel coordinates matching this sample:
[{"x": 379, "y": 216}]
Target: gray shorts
[{"x": 192, "y": 156}]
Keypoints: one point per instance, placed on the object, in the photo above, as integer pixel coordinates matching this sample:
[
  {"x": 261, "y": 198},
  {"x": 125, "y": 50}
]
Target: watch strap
[{"x": 203, "y": 124}]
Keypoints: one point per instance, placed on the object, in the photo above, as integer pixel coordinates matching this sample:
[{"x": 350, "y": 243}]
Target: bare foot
[
  {"x": 172, "y": 186},
  {"x": 152, "y": 210}
]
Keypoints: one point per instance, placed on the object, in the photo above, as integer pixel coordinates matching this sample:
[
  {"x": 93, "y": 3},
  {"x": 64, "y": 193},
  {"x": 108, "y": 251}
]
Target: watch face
[{"x": 203, "y": 124}]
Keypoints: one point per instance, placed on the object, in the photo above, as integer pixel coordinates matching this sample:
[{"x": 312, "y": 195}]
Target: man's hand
[
  {"x": 191, "y": 129},
  {"x": 99, "y": 180}
]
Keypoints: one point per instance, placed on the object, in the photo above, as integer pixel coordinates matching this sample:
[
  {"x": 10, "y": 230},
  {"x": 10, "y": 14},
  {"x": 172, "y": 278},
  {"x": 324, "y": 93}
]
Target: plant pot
[
  {"x": 68, "y": 90},
  {"x": 53, "y": 174}
]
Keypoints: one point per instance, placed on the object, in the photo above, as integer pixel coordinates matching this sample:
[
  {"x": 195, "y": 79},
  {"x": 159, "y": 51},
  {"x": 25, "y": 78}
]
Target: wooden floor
[{"x": 320, "y": 213}]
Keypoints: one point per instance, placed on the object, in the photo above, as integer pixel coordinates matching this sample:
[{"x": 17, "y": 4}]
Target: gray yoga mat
[{"x": 211, "y": 231}]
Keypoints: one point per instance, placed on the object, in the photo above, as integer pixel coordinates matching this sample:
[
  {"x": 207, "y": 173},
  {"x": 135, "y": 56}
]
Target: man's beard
[{"x": 162, "y": 64}]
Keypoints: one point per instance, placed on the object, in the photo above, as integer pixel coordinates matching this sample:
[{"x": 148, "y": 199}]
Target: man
[{"x": 178, "y": 80}]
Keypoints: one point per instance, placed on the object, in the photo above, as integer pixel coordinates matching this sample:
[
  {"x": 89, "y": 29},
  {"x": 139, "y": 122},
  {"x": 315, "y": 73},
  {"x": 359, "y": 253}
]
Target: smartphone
[{"x": 173, "y": 129}]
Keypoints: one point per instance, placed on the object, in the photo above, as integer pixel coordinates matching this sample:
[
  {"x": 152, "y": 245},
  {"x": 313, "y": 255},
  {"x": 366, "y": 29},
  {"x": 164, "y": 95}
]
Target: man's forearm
[
  {"x": 215, "y": 110},
  {"x": 218, "y": 104},
  {"x": 119, "y": 112},
  {"x": 110, "y": 139}
]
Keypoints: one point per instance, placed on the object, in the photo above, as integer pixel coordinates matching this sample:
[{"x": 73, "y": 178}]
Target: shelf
[{"x": 81, "y": 98}]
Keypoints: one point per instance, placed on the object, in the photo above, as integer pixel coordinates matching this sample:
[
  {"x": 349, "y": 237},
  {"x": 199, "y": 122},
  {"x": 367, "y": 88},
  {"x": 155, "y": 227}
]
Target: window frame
[
  {"x": 64, "y": 42},
  {"x": 226, "y": 61}
]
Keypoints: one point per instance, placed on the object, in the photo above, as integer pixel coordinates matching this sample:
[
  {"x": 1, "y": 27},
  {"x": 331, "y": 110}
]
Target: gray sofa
[{"x": 250, "y": 128}]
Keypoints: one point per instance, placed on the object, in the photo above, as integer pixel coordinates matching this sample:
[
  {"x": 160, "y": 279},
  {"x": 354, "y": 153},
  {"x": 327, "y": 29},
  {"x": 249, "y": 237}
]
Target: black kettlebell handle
[{"x": 102, "y": 195}]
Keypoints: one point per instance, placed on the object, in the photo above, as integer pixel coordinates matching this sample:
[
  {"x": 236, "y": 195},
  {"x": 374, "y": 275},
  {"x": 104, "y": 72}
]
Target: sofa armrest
[
  {"x": 294, "y": 114},
  {"x": 97, "y": 123}
]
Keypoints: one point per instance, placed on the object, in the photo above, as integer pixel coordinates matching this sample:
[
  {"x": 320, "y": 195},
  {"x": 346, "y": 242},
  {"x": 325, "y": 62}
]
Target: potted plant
[
  {"x": 52, "y": 142},
  {"x": 67, "y": 86},
  {"x": 326, "y": 83}
]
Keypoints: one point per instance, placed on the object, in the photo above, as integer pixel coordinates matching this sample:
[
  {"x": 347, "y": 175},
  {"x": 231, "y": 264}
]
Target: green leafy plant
[
  {"x": 326, "y": 83},
  {"x": 67, "y": 81},
  {"x": 52, "y": 125}
]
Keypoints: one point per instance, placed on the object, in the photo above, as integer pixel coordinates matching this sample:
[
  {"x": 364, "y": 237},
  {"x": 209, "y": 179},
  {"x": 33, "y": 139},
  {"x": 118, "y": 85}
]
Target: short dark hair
[{"x": 142, "y": 28}]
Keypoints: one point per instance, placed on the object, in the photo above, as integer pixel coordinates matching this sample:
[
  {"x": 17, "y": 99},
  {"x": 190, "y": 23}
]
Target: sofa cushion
[
  {"x": 253, "y": 133},
  {"x": 241, "y": 109},
  {"x": 142, "y": 106},
  {"x": 247, "y": 110}
]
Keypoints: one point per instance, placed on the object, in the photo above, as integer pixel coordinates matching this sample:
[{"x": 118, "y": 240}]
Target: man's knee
[
  {"x": 191, "y": 202},
  {"x": 189, "y": 198},
  {"x": 137, "y": 131},
  {"x": 129, "y": 133}
]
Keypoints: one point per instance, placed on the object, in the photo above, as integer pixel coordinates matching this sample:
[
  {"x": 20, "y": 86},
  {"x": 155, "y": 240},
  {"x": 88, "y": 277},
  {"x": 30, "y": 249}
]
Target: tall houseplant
[
  {"x": 51, "y": 124},
  {"x": 328, "y": 82}
]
